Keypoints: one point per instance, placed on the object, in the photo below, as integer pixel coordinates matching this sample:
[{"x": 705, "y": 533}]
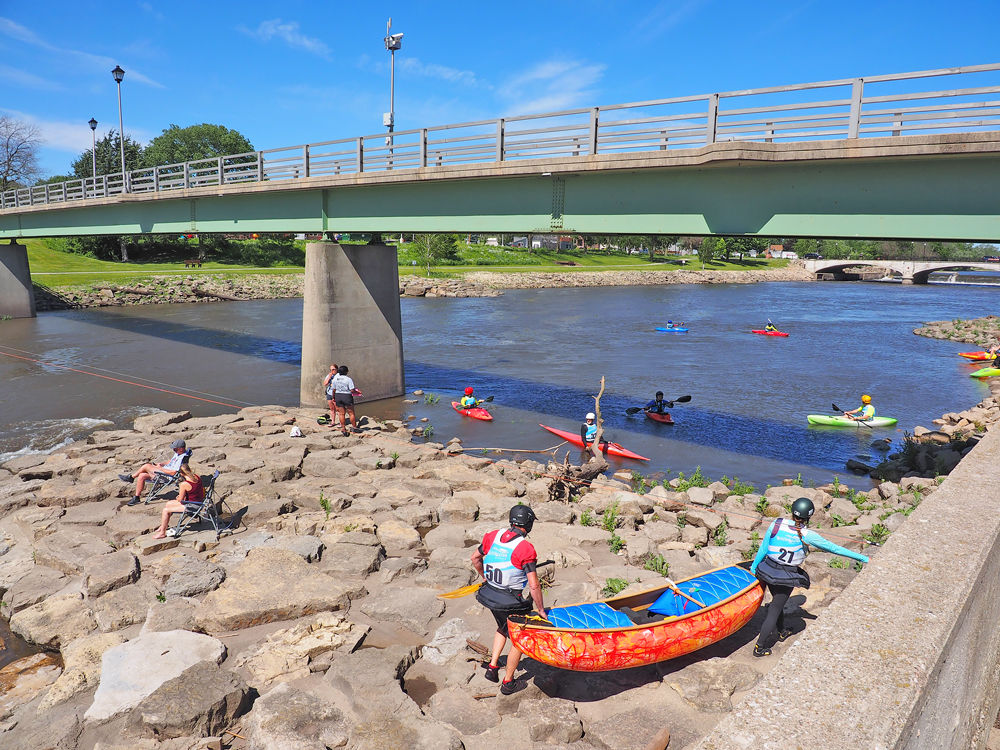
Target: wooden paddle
[
  {"x": 859, "y": 421},
  {"x": 673, "y": 587},
  {"x": 669, "y": 404},
  {"x": 472, "y": 588}
]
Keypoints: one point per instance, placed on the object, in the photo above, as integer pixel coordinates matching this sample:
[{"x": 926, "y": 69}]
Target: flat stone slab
[
  {"x": 69, "y": 550},
  {"x": 413, "y": 608},
  {"x": 22, "y": 680},
  {"x": 251, "y": 594},
  {"x": 103, "y": 573},
  {"x": 55, "y": 621},
  {"x": 134, "y": 670},
  {"x": 36, "y": 586}
]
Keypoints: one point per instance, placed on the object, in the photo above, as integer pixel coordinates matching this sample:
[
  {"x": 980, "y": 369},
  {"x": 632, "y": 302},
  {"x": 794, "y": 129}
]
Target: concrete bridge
[{"x": 911, "y": 271}]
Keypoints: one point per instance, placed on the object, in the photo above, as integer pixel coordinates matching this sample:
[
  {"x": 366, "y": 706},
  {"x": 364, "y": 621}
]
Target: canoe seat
[
  {"x": 588, "y": 617},
  {"x": 708, "y": 589}
]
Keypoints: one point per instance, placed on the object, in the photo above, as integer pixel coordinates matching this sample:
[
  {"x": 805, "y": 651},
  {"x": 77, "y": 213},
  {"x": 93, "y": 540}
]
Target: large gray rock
[
  {"x": 36, "y": 586},
  {"x": 701, "y": 496},
  {"x": 187, "y": 575},
  {"x": 173, "y": 614},
  {"x": 55, "y": 621},
  {"x": 68, "y": 550},
  {"x": 708, "y": 685},
  {"x": 459, "y": 508},
  {"x": 37, "y": 522},
  {"x": 150, "y": 423},
  {"x": 551, "y": 721},
  {"x": 23, "y": 679},
  {"x": 398, "y": 536},
  {"x": 445, "y": 535},
  {"x": 123, "y": 607},
  {"x": 309, "y": 548},
  {"x": 638, "y": 729},
  {"x": 201, "y": 701},
  {"x": 328, "y": 464},
  {"x": 289, "y": 719},
  {"x": 61, "y": 492},
  {"x": 250, "y": 597},
  {"x": 703, "y": 519},
  {"x": 456, "y": 707},
  {"x": 134, "y": 670},
  {"x": 449, "y": 640},
  {"x": 414, "y": 608},
  {"x": 81, "y": 667},
  {"x": 352, "y": 560},
  {"x": 103, "y": 573}
]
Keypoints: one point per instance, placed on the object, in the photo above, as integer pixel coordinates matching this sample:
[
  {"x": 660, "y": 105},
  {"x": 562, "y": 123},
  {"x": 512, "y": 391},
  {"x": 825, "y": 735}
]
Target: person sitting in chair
[
  {"x": 171, "y": 467},
  {"x": 191, "y": 491}
]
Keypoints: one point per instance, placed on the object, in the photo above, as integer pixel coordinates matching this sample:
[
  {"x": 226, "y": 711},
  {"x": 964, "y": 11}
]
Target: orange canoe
[{"x": 731, "y": 595}]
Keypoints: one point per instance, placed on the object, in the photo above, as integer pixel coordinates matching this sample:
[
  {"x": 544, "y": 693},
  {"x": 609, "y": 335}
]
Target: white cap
[{"x": 591, "y": 415}]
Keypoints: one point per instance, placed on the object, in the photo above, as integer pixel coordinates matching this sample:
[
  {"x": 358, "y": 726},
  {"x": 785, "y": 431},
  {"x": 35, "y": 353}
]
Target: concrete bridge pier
[
  {"x": 351, "y": 317},
  {"x": 17, "y": 298}
]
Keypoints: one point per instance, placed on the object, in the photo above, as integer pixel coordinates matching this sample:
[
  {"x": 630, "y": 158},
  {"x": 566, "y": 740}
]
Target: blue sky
[{"x": 293, "y": 72}]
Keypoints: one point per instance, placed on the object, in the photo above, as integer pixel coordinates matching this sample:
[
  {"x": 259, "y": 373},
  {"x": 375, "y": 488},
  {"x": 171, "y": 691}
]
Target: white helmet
[{"x": 591, "y": 415}]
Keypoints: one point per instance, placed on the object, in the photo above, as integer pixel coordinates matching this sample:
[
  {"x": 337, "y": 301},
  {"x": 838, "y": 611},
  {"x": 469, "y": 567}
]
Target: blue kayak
[{"x": 672, "y": 330}]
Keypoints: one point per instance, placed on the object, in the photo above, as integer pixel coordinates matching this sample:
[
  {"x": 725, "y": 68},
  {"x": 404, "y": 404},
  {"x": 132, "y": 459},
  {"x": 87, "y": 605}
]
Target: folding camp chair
[
  {"x": 205, "y": 511},
  {"x": 161, "y": 481}
]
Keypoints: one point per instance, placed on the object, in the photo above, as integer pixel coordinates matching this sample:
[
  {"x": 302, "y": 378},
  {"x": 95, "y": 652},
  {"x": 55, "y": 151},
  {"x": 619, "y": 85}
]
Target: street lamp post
[
  {"x": 119, "y": 74},
  {"x": 392, "y": 43},
  {"x": 93, "y": 151}
]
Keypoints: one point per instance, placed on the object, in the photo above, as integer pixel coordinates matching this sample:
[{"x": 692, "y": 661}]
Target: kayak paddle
[
  {"x": 859, "y": 421},
  {"x": 668, "y": 404},
  {"x": 472, "y": 588}
]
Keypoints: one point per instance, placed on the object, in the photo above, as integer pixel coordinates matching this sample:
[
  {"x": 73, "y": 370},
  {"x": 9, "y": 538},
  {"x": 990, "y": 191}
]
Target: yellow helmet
[{"x": 866, "y": 399}]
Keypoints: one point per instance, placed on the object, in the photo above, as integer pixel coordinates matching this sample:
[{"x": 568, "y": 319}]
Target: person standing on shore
[
  {"x": 777, "y": 566},
  {"x": 343, "y": 394},
  {"x": 331, "y": 402},
  {"x": 506, "y": 561},
  {"x": 864, "y": 412}
]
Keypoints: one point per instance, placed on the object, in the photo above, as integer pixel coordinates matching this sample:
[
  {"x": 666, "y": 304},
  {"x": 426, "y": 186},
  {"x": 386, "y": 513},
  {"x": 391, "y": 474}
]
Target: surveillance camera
[{"x": 393, "y": 41}]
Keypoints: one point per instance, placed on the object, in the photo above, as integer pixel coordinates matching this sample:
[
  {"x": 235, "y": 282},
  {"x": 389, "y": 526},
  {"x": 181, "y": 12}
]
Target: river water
[{"x": 541, "y": 354}]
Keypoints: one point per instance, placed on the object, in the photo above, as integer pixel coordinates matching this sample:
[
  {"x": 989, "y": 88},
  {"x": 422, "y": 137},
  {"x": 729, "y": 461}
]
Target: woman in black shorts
[{"x": 344, "y": 398}]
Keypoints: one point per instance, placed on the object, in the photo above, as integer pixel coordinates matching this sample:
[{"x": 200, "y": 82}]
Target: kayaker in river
[
  {"x": 469, "y": 401},
  {"x": 770, "y": 326},
  {"x": 506, "y": 560},
  {"x": 864, "y": 412},
  {"x": 657, "y": 404},
  {"x": 777, "y": 566}
]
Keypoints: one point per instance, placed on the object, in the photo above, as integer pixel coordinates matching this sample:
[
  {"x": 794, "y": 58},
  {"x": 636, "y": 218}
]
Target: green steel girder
[{"x": 954, "y": 197}]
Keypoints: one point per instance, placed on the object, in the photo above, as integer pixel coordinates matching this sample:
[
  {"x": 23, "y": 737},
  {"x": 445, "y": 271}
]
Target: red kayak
[
  {"x": 665, "y": 417},
  {"x": 770, "y": 333},
  {"x": 476, "y": 412},
  {"x": 975, "y": 356},
  {"x": 612, "y": 449}
]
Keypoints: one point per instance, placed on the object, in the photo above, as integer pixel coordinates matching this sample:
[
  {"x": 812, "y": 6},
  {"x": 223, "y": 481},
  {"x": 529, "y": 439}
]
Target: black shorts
[
  {"x": 345, "y": 399},
  {"x": 502, "y": 604}
]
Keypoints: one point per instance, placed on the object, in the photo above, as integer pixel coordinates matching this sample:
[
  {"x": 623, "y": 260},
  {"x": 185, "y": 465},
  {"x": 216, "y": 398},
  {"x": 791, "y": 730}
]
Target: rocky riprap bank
[
  {"x": 415, "y": 286},
  {"x": 983, "y": 332},
  {"x": 344, "y": 542},
  {"x": 536, "y": 280}
]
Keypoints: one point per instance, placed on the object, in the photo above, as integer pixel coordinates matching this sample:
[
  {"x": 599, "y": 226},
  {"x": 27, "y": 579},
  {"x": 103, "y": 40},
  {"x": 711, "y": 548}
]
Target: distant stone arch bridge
[{"x": 912, "y": 271}]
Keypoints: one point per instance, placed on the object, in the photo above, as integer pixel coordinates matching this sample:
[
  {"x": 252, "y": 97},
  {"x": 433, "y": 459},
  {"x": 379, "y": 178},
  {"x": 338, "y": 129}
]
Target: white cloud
[
  {"x": 289, "y": 33},
  {"x": 433, "y": 70},
  {"x": 151, "y": 11},
  {"x": 71, "y": 137},
  {"x": 95, "y": 62},
  {"x": 552, "y": 85},
  {"x": 27, "y": 80},
  {"x": 666, "y": 16}
]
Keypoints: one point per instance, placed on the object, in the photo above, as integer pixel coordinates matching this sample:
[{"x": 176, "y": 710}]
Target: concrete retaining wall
[{"x": 907, "y": 657}]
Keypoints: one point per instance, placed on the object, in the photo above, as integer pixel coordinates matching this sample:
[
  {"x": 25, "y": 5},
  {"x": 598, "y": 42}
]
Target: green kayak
[
  {"x": 986, "y": 372},
  {"x": 845, "y": 422}
]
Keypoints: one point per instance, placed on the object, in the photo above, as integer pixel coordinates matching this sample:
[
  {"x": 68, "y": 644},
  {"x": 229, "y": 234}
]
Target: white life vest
[
  {"x": 784, "y": 545},
  {"x": 498, "y": 569},
  {"x": 591, "y": 431}
]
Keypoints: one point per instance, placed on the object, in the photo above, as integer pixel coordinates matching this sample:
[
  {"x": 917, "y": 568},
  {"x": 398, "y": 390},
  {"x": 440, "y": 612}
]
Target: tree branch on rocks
[{"x": 571, "y": 478}]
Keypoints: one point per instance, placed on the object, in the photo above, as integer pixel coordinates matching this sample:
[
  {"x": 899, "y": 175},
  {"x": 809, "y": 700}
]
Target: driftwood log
[{"x": 571, "y": 478}]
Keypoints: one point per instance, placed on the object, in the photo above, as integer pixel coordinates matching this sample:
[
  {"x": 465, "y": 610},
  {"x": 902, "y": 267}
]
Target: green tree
[
  {"x": 745, "y": 245},
  {"x": 707, "y": 250},
  {"x": 804, "y": 246},
  {"x": 433, "y": 248},
  {"x": 109, "y": 160},
  {"x": 176, "y": 145},
  {"x": 19, "y": 144}
]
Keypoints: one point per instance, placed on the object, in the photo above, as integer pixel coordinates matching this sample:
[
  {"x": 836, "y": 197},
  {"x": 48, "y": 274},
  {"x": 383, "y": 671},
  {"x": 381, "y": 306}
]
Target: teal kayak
[
  {"x": 846, "y": 422},
  {"x": 675, "y": 329},
  {"x": 986, "y": 372}
]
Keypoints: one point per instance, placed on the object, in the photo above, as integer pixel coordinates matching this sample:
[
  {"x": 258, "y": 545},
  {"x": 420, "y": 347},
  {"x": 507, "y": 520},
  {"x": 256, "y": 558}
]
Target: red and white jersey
[{"x": 506, "y": 555}]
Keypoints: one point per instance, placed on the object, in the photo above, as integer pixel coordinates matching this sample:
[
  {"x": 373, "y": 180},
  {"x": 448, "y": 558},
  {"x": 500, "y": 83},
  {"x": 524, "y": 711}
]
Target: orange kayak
[
  {"x": 975, "y": 356},
  {"x": 600, "y": 637},
  {"x": 612, "y": 449}
]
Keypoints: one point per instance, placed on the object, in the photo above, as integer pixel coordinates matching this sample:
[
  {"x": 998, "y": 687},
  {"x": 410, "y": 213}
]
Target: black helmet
[
  {"x": 803, "y": 509},
  {"x": 659, "y": 393},
  {"x": 523, "y": 517}
]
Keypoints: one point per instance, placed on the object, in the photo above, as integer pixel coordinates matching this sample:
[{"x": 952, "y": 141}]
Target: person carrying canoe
[
  {"x": 864, "y": 412},
  {"x": 468, "y": 401},
  {"x": 657, "y": 404},
  {"x": 770, "y": 326},
  {"x": 506, "y": 560},
  {"x": 777, "y": 566}
]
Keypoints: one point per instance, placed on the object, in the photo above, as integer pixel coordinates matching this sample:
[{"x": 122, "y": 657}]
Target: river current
[{"x": 541, "y": 354}]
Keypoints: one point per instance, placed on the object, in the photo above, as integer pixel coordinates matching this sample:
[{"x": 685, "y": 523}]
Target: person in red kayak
[
  {"x": 657, "y": 405},
  {"x": 770, "y": 326},
  {"x": 468, "y": 401}
]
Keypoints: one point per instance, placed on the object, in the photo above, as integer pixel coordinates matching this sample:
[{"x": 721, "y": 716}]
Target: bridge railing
[{"x": 880, "y": 106}]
